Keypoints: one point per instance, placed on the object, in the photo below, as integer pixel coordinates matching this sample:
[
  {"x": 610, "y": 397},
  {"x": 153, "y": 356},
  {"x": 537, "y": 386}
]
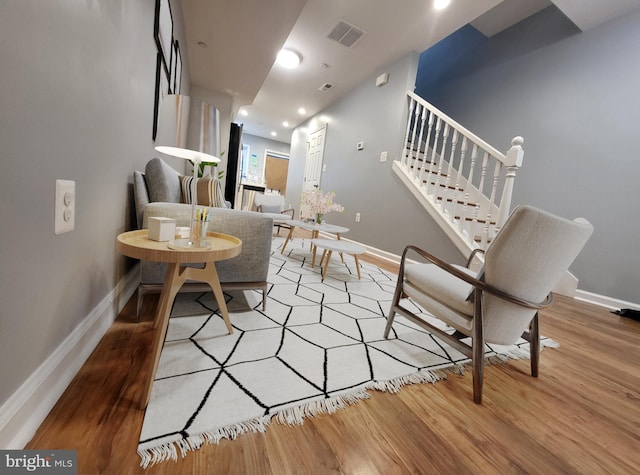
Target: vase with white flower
[{"x": 320, "y": 204}]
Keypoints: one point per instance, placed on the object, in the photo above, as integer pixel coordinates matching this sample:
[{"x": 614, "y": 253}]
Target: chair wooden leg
[
  {"x": 477, "y": 347},
  {"x": 396, "y": 299},
  {"x": 534, "y": 345},
  {"x": 390, "y": 318}
]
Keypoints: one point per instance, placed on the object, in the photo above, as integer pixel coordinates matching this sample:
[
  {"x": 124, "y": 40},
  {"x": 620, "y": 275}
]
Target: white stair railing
[{"x": 463, "y": 182}]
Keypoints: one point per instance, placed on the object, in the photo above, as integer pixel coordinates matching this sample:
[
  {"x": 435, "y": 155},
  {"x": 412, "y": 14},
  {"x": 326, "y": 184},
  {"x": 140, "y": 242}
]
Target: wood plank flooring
[{"x": 581, "y": 416}]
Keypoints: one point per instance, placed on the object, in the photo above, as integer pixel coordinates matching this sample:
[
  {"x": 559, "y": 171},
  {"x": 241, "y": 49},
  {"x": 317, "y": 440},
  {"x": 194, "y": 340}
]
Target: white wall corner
[
  {"x": 26, "y": 409},
  {"x": 567, "y": 285}
]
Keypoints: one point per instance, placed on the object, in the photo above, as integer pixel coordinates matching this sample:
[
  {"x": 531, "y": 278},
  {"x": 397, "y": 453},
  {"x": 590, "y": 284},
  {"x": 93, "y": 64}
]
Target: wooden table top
[
  {"x": 339, "y": 246},
  {"x": 137, "y": 244}
]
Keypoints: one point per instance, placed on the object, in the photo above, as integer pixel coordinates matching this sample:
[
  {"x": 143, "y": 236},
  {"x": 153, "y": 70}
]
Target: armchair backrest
[
  {"x": 527, "y": 258},
  {"x": 269, "y": 203}
]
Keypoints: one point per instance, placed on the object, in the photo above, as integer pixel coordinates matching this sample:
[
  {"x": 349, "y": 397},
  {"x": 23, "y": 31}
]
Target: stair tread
[
  {"x": 421, "y": 160},
  {"x": 450, "y": 200},
  {"x": 431, "y": 173},
  {"x": 479, "y": 220}
]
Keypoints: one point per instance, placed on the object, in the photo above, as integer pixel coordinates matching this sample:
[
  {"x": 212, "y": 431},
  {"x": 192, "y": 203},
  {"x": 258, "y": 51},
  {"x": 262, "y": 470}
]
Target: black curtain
[{"x": 233, "y": 162}]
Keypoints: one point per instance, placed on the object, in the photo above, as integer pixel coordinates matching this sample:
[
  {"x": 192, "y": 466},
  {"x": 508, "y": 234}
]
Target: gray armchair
[
  {"x": 500, "y": 304},
  {"x": 273, "y": 205}
]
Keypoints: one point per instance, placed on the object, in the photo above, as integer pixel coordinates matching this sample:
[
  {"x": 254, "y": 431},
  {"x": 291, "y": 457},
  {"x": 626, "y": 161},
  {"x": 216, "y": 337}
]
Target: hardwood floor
[{"x": 582, "y": 415}]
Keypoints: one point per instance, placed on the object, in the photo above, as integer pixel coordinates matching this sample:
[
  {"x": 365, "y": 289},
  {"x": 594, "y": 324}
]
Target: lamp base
[{"x": 188, "y": 244}]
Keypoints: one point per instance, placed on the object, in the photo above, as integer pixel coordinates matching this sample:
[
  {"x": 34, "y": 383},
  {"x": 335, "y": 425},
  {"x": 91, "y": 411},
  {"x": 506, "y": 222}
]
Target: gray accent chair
[
  {"x": 500, "y": 304},
  {"x": 157, "y": 194}
]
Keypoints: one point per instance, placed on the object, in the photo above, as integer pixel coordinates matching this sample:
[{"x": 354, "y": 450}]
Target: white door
[{"x": 313, "y": 164}]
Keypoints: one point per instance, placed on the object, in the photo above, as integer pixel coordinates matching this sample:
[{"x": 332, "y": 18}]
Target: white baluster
[
  {"x": 437, "y": 189},
  {"x": 458, "y": 194},
  {"x": 413, "y": 138},
  {"x": 423, "y": 118},
  {"x": 432, "y": 160},
  {"x": 406, "y": 151},
  {"x": 426, "y": 148},
  {"x": 449, "y": 194},
  {"x": 513, "y": 161},
  {"x": 492, "y": 199}
]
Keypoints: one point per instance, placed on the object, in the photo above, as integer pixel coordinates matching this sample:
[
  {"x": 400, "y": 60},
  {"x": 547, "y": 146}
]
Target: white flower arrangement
[{"x": 319, "y": 204}]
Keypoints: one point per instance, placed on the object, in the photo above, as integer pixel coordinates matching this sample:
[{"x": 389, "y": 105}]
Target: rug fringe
[{"x": 169, "y": 450}]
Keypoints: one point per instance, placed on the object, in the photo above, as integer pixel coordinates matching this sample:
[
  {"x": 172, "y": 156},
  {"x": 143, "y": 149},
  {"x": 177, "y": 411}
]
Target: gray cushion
[
  {"x": 140, "y": 195},
  {"x": 163, "y": 182},
  {"x": 270, "y": 209},
  {"x": 442, "y": 286}
]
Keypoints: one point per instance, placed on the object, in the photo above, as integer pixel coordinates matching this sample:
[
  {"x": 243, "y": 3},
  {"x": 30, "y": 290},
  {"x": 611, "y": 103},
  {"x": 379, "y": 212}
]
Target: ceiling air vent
[
  {"x": 345, "y": 33},
  {"x": 325, "y": 87}
]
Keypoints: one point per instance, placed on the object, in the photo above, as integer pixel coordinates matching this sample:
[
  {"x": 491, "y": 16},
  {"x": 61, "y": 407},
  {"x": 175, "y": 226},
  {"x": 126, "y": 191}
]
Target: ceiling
[{"x": 242, "y": 40}]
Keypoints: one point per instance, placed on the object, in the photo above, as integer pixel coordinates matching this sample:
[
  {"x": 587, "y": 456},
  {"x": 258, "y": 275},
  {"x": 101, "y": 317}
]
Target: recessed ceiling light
[
  {"x": 273, "y": 134},
  {"x": 302, "y": 111},
  {"x": 288, "y": 58},
  {"x": 441, "y": 4},
  {"x": 244, "y": 112},
  {"x": 285, "y": 124}
]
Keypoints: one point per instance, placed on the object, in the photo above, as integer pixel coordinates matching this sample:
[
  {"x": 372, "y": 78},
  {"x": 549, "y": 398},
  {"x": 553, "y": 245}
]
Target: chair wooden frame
[
  {"x": 289, "y": 212},
  {"x": 475, "y": 351}
]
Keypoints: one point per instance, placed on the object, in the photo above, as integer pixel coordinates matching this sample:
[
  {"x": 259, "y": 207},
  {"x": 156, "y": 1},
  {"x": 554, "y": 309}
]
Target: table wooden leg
[
  {"x": 209, "y": 274},
  {"x": 355, "y": 256},
  {"x": 341, "y": 256},
  {"x": 172, "y": 283},
  {"x": 313, "y": 259},
  {"x": 326, "y": 265},
  {"x": 175, "y": 278},
  {"x": 324, "y": 253},
  {"x": 289, "y": 236}
]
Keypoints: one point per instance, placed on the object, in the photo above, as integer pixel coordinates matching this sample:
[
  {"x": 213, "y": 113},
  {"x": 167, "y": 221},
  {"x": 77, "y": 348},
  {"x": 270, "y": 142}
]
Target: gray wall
[
  {"x": 575, "y": 98},
  {"x": 390, "y": 217},
  {"x": 77, "y": 83}
]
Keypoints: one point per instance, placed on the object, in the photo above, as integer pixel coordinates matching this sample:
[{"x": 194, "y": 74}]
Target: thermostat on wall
[{"x": 382, "y": 79}]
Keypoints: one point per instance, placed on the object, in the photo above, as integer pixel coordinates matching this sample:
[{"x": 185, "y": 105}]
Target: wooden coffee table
[
  {"x": 136, "y": 244},
  {"x": 314, "y": 228},
  {"x": 340, "y": 246}
]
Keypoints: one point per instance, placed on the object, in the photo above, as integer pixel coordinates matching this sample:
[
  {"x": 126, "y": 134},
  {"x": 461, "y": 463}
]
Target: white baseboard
[
  {"x": 26, "y": 409},
  {"x": 604, "y": 301}
]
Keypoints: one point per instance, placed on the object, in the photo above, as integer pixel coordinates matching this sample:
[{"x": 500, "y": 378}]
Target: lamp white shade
[{"x": 193, "y": 155}]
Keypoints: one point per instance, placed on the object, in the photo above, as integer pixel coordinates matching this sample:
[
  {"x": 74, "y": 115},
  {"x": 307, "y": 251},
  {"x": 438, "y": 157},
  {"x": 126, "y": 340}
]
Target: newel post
[{"x": 513, "y": 161}]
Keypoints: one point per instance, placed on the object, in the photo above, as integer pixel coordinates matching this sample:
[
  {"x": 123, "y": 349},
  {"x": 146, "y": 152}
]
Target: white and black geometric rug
[{"x": 317, "y": 348}]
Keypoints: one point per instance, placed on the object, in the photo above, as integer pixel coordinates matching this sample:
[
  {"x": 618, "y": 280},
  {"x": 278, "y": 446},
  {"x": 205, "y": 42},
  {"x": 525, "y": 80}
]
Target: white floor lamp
[{"x": 196, "y": 158}]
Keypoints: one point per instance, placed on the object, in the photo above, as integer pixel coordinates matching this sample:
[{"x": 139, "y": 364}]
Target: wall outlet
[
  {"x": 357, "y": 217},
  {"x": 383, "y": 156},
  {"x": 360, "y": 146},
  {"x": 65, "y": 206}
]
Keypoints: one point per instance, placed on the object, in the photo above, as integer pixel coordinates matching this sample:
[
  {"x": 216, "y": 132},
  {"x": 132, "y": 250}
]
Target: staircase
[{"x": 464, "y": 183}]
